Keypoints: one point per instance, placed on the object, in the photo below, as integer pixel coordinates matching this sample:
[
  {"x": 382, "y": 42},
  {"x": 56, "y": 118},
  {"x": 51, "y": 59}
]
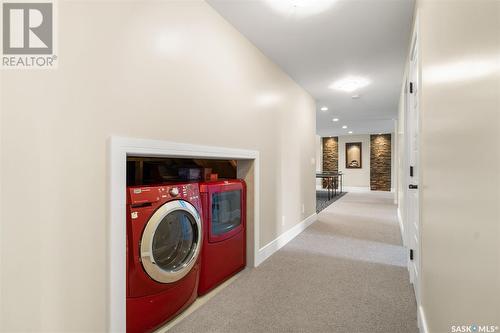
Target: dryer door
[{"x": 171, "y": 241}]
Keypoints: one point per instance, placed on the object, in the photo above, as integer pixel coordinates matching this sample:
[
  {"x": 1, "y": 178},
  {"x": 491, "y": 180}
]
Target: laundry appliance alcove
[{"x": 119, "y": 148}]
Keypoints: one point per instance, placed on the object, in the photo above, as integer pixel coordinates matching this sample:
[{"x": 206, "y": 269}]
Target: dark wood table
[{"x": 334, "y": 180}]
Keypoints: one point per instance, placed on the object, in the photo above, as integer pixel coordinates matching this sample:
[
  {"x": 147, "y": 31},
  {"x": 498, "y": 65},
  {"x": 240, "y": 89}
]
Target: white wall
[
  {"x": 1, "y": 190},
  {"x": 319, "y": 158},
  {"x": 356, "y": 177},
  {"x": 401, "y": 160},
  {"x": 162, "y": 70},
  {"x": 394, "y": 159},
  {"x": 319, "y": 153},
  {"x": 460, "y": 162},
  {"x": 460, "y": 204}
]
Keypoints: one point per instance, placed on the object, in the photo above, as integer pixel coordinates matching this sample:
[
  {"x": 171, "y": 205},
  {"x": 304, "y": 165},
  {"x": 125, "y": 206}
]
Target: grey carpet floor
[
  {"x": 322, "y": 199},
  {"x": 345, "y": 273}
]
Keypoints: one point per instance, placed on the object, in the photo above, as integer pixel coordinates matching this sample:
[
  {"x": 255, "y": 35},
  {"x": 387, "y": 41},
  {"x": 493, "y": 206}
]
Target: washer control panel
[{"x": 152, "y": 194}]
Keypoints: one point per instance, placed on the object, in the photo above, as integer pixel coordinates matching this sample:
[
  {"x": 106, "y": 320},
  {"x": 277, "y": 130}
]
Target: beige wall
[
  {"x": 319, "y": 158},
  {"x": 162, "y": 70},
  {"x": 460, "y": 187},
  {"x": 394, "y": 160},
  {"x": 319, "y": 153},
  {"x": 356, "y": 177}
]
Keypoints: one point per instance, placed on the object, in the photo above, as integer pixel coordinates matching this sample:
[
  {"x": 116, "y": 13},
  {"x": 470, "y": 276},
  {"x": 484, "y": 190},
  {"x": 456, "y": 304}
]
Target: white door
[{"x": 412, "y": 130}]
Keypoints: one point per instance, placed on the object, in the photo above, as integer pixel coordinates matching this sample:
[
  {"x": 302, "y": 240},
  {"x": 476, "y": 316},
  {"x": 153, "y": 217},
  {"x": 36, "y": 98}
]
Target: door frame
[
  {"x": 118, "y": 150},
  {"x": 413, "y": 68}
]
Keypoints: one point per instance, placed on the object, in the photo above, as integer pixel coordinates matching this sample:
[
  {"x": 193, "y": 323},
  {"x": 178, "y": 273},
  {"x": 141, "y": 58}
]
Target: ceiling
[{"x": 320, "y": 41}]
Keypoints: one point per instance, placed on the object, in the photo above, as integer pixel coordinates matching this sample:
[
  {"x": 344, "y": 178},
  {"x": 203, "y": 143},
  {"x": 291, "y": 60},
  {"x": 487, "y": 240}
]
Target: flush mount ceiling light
[
  {"x": 350, "y": 132},
  {"x": 324, "y": 108},
  {"x": 350, "y": 83},
  {"x": 335, "y": 119},
  {"x": 299, "y": 8},
  {"x": 344, "y": 127}
]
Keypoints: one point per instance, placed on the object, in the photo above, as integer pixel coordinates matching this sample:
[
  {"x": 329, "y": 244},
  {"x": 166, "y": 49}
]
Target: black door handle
[{"x": 412, "y": 187}]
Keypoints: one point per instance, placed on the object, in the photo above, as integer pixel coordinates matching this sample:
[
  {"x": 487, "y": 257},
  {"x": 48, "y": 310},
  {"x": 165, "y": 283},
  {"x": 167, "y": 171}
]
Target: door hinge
[
  {"x": 411, "y": 87},
  {"x": 411, "y": 171},
  {"x": 411, "y": 254}
]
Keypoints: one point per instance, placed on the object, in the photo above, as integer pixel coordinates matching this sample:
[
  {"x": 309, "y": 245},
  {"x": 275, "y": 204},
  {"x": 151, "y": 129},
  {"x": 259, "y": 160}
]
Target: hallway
[{"x": 345, "y": 273}]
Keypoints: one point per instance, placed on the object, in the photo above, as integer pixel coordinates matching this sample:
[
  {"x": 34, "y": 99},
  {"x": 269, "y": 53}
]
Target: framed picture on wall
[{"x": 353, "y": 155}]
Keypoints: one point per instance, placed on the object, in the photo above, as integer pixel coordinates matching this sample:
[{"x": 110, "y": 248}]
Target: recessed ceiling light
[
  {"x": 344, "y": 127},
  {"x": 355, "y": 96},
  {"x": 335, "y": 119},
  {"x": 324, "y": 108},
  {"x": 350, "y": 83},
  {"x": 350, "y": 132}
]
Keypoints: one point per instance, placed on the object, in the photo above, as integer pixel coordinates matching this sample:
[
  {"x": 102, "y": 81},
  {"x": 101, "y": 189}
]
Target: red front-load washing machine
[
  {"x": 224, "y": 235},
  {"x": 164, "y": 238}
]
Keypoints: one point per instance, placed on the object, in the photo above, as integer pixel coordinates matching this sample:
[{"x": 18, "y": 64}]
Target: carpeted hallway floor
[
  {"x": 322, "y": 199},
  {"x": 345, "y": 273}
]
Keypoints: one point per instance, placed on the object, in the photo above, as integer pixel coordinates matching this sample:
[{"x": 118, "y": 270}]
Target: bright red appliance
[
  {"x": 224, "y": 236},
  {"x": 164, "y": 233}
]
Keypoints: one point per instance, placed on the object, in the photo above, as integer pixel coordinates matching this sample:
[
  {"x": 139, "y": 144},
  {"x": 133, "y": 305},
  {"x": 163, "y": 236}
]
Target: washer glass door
[{"x": 171, "y": 241}]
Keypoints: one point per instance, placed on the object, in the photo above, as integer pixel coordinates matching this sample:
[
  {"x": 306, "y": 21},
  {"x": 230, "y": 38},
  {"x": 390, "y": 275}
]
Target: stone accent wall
[
  {"x": 380, "y": 162},
  {"x": 330, "y": 155}
]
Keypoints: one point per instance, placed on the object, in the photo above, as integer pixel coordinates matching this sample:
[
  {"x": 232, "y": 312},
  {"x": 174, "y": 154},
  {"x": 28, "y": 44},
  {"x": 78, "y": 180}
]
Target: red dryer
[
  {"x": 224, "y": 231},
  {"x": 164, "y": 233}
]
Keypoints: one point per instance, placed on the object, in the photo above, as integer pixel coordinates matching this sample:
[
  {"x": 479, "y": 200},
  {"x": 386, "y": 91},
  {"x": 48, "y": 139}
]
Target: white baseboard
[
  {"x": 422, "y": 322},
  {"x": 401, "y": 227},
  {"x": 283, "y": 239}
]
